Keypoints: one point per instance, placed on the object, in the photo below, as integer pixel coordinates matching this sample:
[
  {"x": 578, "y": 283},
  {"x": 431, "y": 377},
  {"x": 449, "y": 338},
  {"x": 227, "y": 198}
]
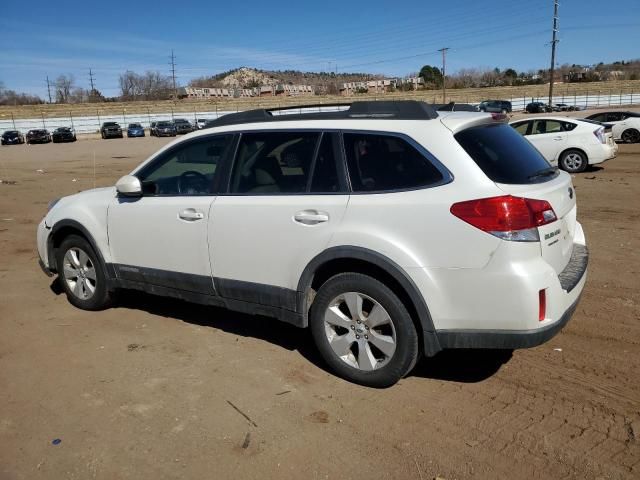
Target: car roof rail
[{"x": 395, "y": 110}]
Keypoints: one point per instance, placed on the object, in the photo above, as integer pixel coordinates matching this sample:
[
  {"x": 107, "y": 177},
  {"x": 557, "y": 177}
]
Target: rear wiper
[{"x": 545, "y": 172}]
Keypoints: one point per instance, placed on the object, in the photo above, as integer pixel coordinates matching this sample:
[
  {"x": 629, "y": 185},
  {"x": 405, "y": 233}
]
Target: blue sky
[{"x": 391, "y": 38}]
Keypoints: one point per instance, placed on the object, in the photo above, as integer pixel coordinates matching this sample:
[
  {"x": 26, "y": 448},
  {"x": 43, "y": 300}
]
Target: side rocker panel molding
[{"x": 430, "y": 340}]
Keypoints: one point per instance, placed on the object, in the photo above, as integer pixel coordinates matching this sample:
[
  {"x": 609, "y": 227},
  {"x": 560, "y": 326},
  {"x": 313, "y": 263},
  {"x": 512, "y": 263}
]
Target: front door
[
  {"x": 285, "y": 199},
  {"x": 161, "y": 237}
]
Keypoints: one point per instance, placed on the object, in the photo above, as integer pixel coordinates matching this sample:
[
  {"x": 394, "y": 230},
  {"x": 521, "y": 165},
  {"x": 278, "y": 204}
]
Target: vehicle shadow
[{"x": 460, "y": 365}]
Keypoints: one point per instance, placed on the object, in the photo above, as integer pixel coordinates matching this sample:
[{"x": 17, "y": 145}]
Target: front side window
[
  {"x": 188, "y": 169},
  {"x": 379, "y": 162},
  {"x": 270, "y": 163}
]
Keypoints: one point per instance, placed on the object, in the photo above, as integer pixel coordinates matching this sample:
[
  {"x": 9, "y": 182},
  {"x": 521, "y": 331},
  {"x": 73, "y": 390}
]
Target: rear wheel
[
  {"x": 82, "y": 274},
  {"x": 363, "y": 331},
  {"x": 573, "y": 161},
  {"x": 630, "y": 135}
]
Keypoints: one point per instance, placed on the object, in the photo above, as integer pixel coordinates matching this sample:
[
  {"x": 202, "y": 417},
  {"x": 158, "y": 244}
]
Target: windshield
[
  {"x": 165, "y": 124},
  {"x": 110, "y": 124},
  {"x": 135, "y": 125},
  {"x": 11, "y": 132}
]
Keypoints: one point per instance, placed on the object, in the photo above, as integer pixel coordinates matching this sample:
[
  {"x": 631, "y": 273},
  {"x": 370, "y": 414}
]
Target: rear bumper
[
  {"x": 571, "y": 279},
  {"x": 501, "y": 339}
]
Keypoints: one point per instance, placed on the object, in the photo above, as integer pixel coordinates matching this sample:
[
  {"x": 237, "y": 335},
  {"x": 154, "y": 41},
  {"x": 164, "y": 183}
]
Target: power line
[
  {"x": 173, "y": 74},
  {"x": 554, "y": 41}
]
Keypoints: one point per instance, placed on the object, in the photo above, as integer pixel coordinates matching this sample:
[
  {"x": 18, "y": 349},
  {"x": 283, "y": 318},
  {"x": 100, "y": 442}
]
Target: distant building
[
  {"x": 263, "y": 91},
  {"x": 379, "y": 86}
]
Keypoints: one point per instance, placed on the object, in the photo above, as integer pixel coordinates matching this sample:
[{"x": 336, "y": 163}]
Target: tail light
[
  {"x": 599, "y": 133},
  {"x": 508, "y": 218}
]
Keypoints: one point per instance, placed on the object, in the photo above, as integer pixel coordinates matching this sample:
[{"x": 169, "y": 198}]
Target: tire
[
  {"x": 77, "y": 262},
  {"x": 573, "y": 161},
  {"x": 330, "y": 319},
  {"x": 630, "y": 135}
]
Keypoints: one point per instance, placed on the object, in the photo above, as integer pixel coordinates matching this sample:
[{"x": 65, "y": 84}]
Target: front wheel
[
  {"x": 631, "y": 135},
  {"x": 573, "y": 161},
  {"x": 363, "y": 331},
  {"x": 82, "y": 274}
]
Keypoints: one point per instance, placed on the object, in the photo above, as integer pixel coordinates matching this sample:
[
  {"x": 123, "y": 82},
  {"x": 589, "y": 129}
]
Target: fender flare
[
  {"x": 67, "y": 223},
  {"x": 429, "y": 335}
]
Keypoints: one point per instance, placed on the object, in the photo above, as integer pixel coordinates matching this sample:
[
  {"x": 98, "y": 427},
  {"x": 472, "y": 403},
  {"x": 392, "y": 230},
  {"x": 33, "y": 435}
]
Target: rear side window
[
  {"x": 379, "y": 162},
  {"x": 504, "y": 155}
]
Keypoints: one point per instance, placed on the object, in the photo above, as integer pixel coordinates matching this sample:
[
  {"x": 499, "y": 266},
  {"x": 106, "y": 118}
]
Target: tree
[
  {"x": 431, "y": 75},
  {"x": 150, "y": 86},
  {"x": 63, "y": 85}
]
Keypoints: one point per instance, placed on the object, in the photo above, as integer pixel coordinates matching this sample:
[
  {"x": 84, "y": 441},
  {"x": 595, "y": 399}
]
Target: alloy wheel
[
  {"x": 360, "y": 331},
  {"x": 79, "y": 273},
  {"x": 573, "y": 162}
]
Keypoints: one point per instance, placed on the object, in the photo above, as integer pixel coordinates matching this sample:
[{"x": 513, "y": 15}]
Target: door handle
[
  {"x": 557, "y": 138},
  {"x": 191, "y": 215},
  {"x": 311, "y": 217}
]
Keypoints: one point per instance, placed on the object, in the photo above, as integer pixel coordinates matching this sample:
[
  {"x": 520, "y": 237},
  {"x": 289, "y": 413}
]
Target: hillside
[{"x": 246, "y": 77}]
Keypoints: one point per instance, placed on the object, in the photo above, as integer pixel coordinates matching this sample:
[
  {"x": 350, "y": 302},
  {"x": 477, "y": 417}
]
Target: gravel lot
[{"x": 158, "y": 388}]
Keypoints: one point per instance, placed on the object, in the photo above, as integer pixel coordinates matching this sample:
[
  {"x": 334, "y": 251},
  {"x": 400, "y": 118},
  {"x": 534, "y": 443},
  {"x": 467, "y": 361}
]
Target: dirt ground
[{"x": 162, "y": 389}]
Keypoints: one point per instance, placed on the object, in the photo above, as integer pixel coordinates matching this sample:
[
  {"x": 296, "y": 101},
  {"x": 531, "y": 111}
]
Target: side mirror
[{"x": 129, "y": 186}]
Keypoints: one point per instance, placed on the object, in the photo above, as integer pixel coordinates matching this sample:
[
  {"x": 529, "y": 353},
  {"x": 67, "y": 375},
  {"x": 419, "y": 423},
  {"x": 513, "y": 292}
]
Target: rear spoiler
[{"x": 457, "y": 121}]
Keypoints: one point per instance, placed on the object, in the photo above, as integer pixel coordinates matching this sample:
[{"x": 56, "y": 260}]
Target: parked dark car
[
  {"x": 39, "y": 135},
  {"x": 135, "y": 130},
  {"x": 12, "y": 137},
  {"x": 538, "y": 107},
  {"x": 63, "y": 134},
  {"x": 165, "y": 129},
  {"x": 111, "y": 130},
  {"x": 495, "y": 106},
  {"x": 563, "y": 107},
  {"x": 183, "y": 126},
  {"x": 455, "y": 107}
]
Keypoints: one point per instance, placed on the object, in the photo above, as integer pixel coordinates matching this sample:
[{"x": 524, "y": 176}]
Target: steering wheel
[{"x": 191, "y": 182}]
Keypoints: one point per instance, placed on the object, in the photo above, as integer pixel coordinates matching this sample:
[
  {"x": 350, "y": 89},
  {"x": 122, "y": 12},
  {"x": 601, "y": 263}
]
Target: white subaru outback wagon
[{"x": 390, "y": 229}]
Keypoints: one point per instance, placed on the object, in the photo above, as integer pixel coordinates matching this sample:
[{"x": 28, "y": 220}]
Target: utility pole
[
  {"x": 91, "y": 80},
  {"x": 444, "y": 73},
  {"x": 173, "y": 74},
  {"x": 49, "y": 88},
  {"x": 554, "y": 41}
]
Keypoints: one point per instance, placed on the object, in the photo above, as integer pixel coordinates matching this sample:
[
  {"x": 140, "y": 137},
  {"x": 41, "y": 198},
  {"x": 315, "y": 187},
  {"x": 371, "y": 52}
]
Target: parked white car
[
  {"x": 389, "y": 229},
  {"x": 568, "y": 143},
  {"x": 625, "y": 125}
]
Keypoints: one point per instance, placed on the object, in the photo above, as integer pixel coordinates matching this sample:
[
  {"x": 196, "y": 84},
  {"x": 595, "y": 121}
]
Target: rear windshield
[{"x": 504, "y": 155}]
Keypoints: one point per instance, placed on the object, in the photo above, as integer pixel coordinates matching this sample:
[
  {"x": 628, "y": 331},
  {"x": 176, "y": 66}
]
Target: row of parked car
[
  {"x": 504, "y": 106},
  {"x": 163, "y": 128},
  {"x": 39, "y": 135}
]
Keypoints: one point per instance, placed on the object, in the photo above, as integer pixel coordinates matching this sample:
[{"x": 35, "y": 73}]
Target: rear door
[
  {"x": 549, "y": 138},
  {"x": 285, "y": 198}
]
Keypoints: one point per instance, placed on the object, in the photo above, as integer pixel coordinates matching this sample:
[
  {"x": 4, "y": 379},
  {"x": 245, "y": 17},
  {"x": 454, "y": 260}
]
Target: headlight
[{"x": 52, "y": 204}]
